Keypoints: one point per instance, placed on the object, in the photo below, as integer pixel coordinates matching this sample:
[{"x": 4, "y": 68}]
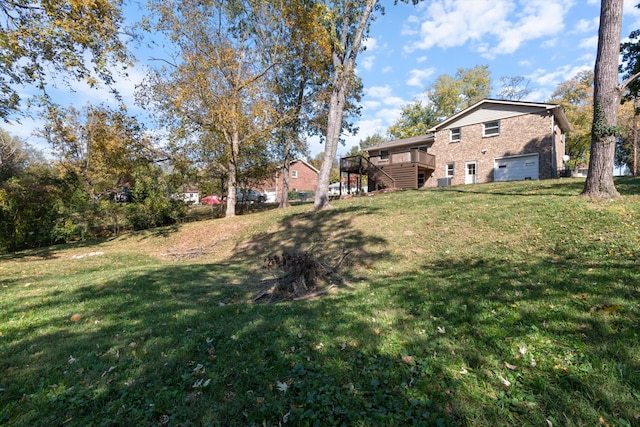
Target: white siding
[{"x": 492, "y": 112}]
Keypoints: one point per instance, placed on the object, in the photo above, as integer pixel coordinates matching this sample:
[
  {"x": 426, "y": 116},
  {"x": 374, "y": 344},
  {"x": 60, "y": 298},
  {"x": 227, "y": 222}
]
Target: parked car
[
  {"x": 250, "y": 195},
  {"x": 211, "y": 200}
]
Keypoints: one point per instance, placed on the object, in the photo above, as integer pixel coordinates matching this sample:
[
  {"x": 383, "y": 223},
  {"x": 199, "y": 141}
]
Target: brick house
[
  {"x": 303, "y": 177},
  {"x": 493, "y": 140}
]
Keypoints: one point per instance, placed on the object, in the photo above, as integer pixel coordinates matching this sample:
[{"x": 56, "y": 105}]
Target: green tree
[
  {"x": 576, "y": 97},
  {"x": 415, "y": 119},
  {"x": 215, "y": 97},
  {"x": 14, "y": 155},
  {"x": 44, "y": 41},
  {"x": 447, "y": 96},
  {"x": 363, "y": 144},
  {"x": 452, "y": 94},
  {"x": 98, "y": 147},
  {"x": 299, "y": 80}
]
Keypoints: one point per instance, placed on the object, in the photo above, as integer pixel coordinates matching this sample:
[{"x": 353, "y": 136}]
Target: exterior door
[{"x": 470, "y": 172}]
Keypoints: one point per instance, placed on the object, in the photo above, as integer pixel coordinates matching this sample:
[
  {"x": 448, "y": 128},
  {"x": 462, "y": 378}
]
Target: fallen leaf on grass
[
  {"x": 505, "y": 381},
  {"x": 611, "y": 309},
  {"x": 283, "y": 387},
  {"x": 508, "y": 365},
  {"x": 440, "y": 329},
  {"x": 407, "y": 359}
]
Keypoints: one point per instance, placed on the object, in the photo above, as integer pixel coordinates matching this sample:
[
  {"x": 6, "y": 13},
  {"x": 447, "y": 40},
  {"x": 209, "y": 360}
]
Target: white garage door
[{"x": 515, "y": 168}]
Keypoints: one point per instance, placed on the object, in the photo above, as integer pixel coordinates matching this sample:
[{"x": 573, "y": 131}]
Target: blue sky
[{"x": 545, "y": 41}]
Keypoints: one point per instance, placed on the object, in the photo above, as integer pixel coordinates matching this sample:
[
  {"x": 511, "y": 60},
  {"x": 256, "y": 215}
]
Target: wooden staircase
[{"x": 362, "y": 166}]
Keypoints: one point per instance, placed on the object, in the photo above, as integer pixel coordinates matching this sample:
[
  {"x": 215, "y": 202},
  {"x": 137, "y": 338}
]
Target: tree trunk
[
  {"x": 232, "y": 183},
  {"x": 284, "y": 198},
  {"x": 334, "y": 127},
  {"x": 606, "y": 99},
  {"x": 344, "y": 59}
]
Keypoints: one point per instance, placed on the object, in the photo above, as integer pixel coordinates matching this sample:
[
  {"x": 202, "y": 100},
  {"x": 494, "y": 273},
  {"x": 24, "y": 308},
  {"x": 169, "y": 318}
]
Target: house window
[
  {"x": 455, "y": 134},
  {"x": 450, "y": 170},
  {"x": 491, "y": 128},
  {"x": 294, "y": 174},
  {"x": 384, "y": 154}
]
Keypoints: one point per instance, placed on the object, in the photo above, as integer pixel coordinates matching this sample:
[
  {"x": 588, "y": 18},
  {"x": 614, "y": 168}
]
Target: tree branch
[{"x": 627, "y": 82}]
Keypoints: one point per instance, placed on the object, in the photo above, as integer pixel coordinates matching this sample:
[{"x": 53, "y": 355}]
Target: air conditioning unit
[{"x": 444, "y": 182}]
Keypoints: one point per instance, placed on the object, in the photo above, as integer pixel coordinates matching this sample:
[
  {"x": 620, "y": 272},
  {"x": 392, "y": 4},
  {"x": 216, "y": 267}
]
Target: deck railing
[{"x": 413, "y": 155}]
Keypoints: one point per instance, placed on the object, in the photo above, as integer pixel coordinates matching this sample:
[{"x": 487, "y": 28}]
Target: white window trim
[
  {"x": 451, "y": 137},
  {"x": 294, "y": 174},
  {"x": 453, "y": 170},
  {"x": 484, "y": 129}
]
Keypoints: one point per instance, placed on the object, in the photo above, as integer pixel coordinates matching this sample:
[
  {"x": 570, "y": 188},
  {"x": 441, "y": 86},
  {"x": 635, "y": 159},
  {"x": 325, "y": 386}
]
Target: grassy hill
[{"x": 495, "y": 304}]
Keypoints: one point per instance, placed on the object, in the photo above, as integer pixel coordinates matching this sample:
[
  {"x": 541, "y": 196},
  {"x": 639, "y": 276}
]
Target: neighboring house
[
  {"x": 303, "y": 177},
  {"x": 189, "y": 195},
  {"x": 493, "y": 140}
]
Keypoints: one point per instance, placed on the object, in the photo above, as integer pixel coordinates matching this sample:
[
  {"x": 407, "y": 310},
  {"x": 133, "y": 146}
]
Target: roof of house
[
  {"x": 306, "y": 163},
  {"x": 494, "y": 104},
  {"x": 486, "y": 103},
  {"x": 413, "y": 141}
]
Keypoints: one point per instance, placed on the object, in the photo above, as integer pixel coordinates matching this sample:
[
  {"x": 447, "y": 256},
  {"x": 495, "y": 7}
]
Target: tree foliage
[
  {"x": 415, "y": 119},
  {"x": 98, "y": 147},
  {"x": 447, "y": 96},
  {"x": 43, "y": 42},
  {"x": 215, "y": 97},
  {"x": 576, "y": 98},
  {"x": 451, "y": 94}
]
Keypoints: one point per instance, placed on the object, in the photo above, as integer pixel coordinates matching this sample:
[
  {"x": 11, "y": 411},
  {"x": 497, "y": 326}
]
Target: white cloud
[
  {"x": 370, "y": 105},
  {"x": 496, "y": 27},
  {"x": 417, "y": 77},
  {"x": 370, "y": 44},
  {"x": 453, "y": 23},
  {"x": 589, "y": 43},
  {"x": 549, "y": 43},
  {"x": 367, "y": 62},
  {"x": 550, "y": 79},
  {"x": 421, "y": 59},
  {"x": 588, "y": 25},
  {"x": 378, "y": 91},
  {"x": 539, "y": 19}
]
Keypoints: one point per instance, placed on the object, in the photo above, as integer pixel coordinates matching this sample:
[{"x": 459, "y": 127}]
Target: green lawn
[{"x": 486, "y": 305}]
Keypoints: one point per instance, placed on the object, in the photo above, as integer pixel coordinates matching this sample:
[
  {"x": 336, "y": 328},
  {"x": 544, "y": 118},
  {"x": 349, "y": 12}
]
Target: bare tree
[{"x": 514, "y": 88}]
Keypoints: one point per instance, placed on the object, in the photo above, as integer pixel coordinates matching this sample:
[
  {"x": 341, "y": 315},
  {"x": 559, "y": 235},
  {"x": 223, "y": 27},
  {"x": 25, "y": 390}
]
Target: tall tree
[
  {"x": 348, "y": 23},
  {"x": 42, "y": 41},
  {"x": 215, "y": 95},
  {"x": 300, "y": 81},
  {"x": 452, "y": 94},
  {"x": 607, "y": 94},
  {"x": 447, "y": 96}
]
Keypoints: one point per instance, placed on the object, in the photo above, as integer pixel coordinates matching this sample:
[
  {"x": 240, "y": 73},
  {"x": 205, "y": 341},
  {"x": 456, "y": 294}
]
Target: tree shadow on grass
[
  {"x": 161, "y": 346},
  {"x": 524, "y": 342}
]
